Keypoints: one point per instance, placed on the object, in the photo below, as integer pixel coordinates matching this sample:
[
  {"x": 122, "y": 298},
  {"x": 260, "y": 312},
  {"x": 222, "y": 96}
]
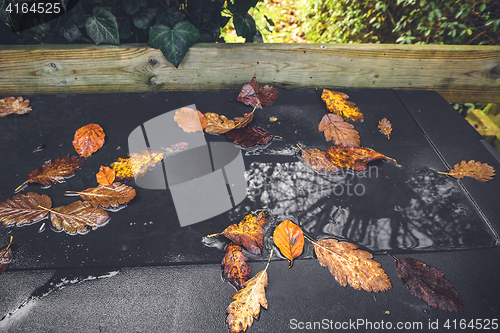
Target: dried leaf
[
  {"x": 88, "y": 139},
  {"x": 218, "y": 124},
  {"x": 5, "y": 257},
  {"x": 336, "y": 102},
  {"x": 355, "y": 158},
  {"x": 257, "y": 95},
  {"x": 248, "y": 233},
  {"x": 22, "y": 209},
  {"x": 190, "y": 120},
  {"x": 236, "y": 270},
  {"x": 476, "y": 170},
  {"x": 144, "y": 161},
  {"x": 429, "y": 284},
  {"x": 55, "y": 171},
  {"x": 350, "y": 265},
  {"x": 247, "y": 302},
  {"x": 243, "y": 121},
  {"x": 177, "y": 146},
  {"x": 289, "y": 238},
  {"x": 75, "y": 217},
  {"x": 11, "y": 105},
  {"x": 108, "y": 195},
  {"x": 318, "y": 160},
  {"x": 385, "y": 127},
  {"x": 336, "y": 129},
  {"x": 123, "y": 169},
  {"x": 105, "y": 176},
  {"x": 250, "y": 136}
]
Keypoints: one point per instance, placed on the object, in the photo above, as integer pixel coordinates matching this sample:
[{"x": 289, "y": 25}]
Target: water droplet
[
  {"x": 42, "y": 228},
  {"x": 397, "y": 209}
]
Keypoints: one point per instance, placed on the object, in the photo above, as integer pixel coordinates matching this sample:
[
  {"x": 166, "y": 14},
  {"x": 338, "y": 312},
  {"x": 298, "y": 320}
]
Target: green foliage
[{"x": 102, "y": 27}]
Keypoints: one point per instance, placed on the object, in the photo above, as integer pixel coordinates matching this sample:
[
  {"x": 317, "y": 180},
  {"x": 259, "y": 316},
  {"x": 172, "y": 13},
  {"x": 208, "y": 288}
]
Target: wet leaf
[
  {"x": 250, "y": 136},
  {"x": 88, "y": 139},
  {"x": 336, "y": 102},
  {"x": 243, "y": 121},
  {"x": 123, "y": 169},
  {"x": 355, "y": 158},
  {"x": 257, "y": 95},
  {"x": 248, "y": 233},
  {"x": 236, "y": 270},
  {"x": 247, "y": 303},
  {"x": 476, "y": 170},
  {"x": 337, "y": 130},
  {"x": 108, "y": 195},
  {"x": 23, "y": 209},
  {"x": 55, "y": 171},
  {"x": 289, "y": 238},
  {"x": 190, "y": 120},
  {"x": 429, "y": 284},
  {"x": 75, "y": 217},
  {"x": 218, "y": 124},
  {"x": 105, "y": 176},
  {"x": 144, "y": 161},
  {"x": 174, "y": 147},
  {"x": 318, "y": 160},
  {"x": 12, "y": 105},
  {"x": 5, "y": 257},
  {"x": 350, "y": 265},
  {"x": 385, "y": 127}
]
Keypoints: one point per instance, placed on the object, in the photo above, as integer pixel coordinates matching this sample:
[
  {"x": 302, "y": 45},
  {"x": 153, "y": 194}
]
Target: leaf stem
[
  {"x": 443, "y": 173},
  {"x": 213, "y": 235},
  {"x": 269, "y": 259},
  {"x": 20, "y": 186},
  {"x": 7, "y": 248}
]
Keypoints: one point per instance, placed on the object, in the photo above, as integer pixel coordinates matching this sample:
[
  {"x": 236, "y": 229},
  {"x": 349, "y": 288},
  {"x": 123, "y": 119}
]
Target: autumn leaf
[
  {"x": 318, "y": 160},
  {"x": 174, "y": 147},
  {"x": 476, "y": 170},
  {"x": 218, "y": 124},
  {"x": 123, "y": 169},
  {"x": 336, "y": 102},
  {"x": 337, "y": 130},
  {"x": 190, "y": 120},
  {"x": 429, "y": 284},
  {"x": 5, "y": 257},
  {"x": 75, "y": 217},
  {"x": 355, "y": 158},
  {"x": 54, "y": 171},
  {"x": 241, "y": 122},
  {"x": 250, "y": 136},
  {"x": 88, "y": 139},
  {"x": 257, "y": 95},
  {"x": 12, "y": 105},
  {"x": 385, "y": 127},
  {"x": 105, "y": 176},
  {"x": 289, "y": 238},
  {"x": 236, "y": 269},
  {"x": 23, "y": 209},
  {"x": 350, "y": 265},
  {"x": 108, "y": 195}
]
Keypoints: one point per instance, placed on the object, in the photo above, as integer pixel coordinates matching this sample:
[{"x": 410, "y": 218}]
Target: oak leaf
[
  {"x": 75, "y": 217},
  {"x": 289, "y": 238},
  {"x": 23, "y": 209},
  {"x": 190, "y": 120},
  {"x": 218, "y": 124},
  {"x": 257, "y": 95},
  {"x": 355, "y": 158},
  {"x": 248, "y": 233},
  {"x": 88, "y": 139},
  {"x": 476, "y": 170},
  {"x": 350, "y": 265},
  {"x": 108, "y": 195},
  {"x": 429, "y": 284},
  {"x": 250, "y": 136},
  {"x": 236, "y": 270},
  {"x": 247, "y": 302},
  {"x": 337, "y": 130},
  {"x": 318, "y": 160},
  {"x": 5, "y": 257},
  {"x": 336, "y": 102},
  {"x": 105, "y": 176},
  {"x": 12, "y": 105},
  {"x": 385, "y": 127}
]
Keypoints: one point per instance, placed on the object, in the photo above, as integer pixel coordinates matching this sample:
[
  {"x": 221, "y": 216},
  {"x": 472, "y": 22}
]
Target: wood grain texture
[{"x": 458, "y": 73}]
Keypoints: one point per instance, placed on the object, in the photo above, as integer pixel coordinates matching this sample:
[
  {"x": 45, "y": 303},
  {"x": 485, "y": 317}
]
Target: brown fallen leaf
[
  {"x": 355, "y": 158},
  {"x": 88, "y": 139},
  {"x": 243, "y": 121},
  {"x": 218, "y": 124},
  {"x": 429, "y": 284},
  {"x": 337, "y": 130},
  {"x": 350, "y": 265},
  {"x": 23, "y": 209},
  {"x": 190, "y": 120},
  {"x": 250, "y": 136},
  {"x": 289, "y": 238},
  {"x": 257, "y": 95},
  {"x": 108, "y": 195},
  {"x": 336, "y": 102},
  {"x": 105, "y": 176},
  {"x": 318, "y": 160},
  {"x": 12, "y": 105},
  {"x": 476, "y": 170},
  {"x": 385, "y": 127},
  {"x": 5, "y": 257},
  {"x": 236, "y": 269}
]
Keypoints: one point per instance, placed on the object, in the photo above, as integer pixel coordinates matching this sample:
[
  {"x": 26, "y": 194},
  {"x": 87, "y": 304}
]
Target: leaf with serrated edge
[
  {"x": 355, "y": 158},
  {"x": 12, "y": 105},
  {"x": 75, "y": 217},
  {"x": 250, "y": 136},
  {"x": 318, "y": 160},
  {"x": 55, "y": 171},
  {"x": 248, "y": 233},
  {"x": 23, "y": 209},
  {"x": 289, "y": 238},
  {"x": 473, "y": 169},
  {"x": 336, "y": 102},
  {"x": 108, "y": 195},
  {"x": 257, "y": 95},
  {"x": 236, "y": 270},
  {"x": 337, "y": 130}
]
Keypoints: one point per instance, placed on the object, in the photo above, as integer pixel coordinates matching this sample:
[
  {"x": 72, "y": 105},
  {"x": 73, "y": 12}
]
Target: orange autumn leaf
[
  {"x": 88, "y": 139},
  {"x": 318, "y": 160},
  {"x": 248, "y": 233},
  {"x": 336, "y": 103},
  {"x": 355, "y": 158},
  {"x": 12, "y": 105},
  {"x": 473, "y": 169},
  {"x": 108, "y": 195},
  {"x": 190, "y": 120},
  {"x": 385, "y": 127},
  {"x": 218, "y": 124},
  {"x": 24, "y": 209},
  {"x": 105, "y": 176},
  {"x": 123, "y": 169},
  {"x": 75, "y": 217},
  {"x": 337, "y": 130},
  {"x": 352, "y": 266},
  {"x": 289, "y": 238},
  {"x": 236, "y": 269}
]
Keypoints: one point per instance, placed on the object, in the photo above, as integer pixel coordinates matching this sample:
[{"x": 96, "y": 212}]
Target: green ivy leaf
[
  {"x": 169, "y": 17},
  {"x": 143, "y": 18},
  {"x": 124, "y": 29},
  {"x": 71, "y": 32},
  {"x": 245, "y": 26},
  {"x": 102, "y": 27},
  {"x": 175, "y": 42},
  {"x": 130, "y": 6}
]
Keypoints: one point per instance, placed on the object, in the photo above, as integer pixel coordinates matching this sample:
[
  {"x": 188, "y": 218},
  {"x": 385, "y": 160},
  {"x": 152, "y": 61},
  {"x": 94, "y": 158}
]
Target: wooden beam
[{"x": 458, "y": 73}]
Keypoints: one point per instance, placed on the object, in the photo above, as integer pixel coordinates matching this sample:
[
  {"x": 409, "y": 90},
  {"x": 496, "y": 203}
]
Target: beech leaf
[
  {"x": 105, "y": 176},
  {"x": 385, "y": 127},
  {"x": 236, "y": 269},
  {"x": 190, "y": 120},
  {"x": 318, "y": 160},
  {"x": 108, "y": 195},
  {"x": 289, "y": 238},
  {"x": 250, "y": 136},
  {"x": 75, "y": 217},
  {"x": 23, "y": 209},
  {"x": 336, "y": 102},
  {"x": 248, "y": 232},
  {"x": 12, "y": 105},
  {"x": 88, "y": 139},
  {"x": 257, "y": 95},
  {"x": 355, "y": 158},
  {"x": 337, "y": 130},
  {"x": 5, "y": 257},
  {"x": 476, "y": 170}
]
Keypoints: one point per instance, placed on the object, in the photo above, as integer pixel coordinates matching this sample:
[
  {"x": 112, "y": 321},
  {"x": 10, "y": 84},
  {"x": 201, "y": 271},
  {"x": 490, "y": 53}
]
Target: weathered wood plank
[{"x": 458, "y": 73}]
